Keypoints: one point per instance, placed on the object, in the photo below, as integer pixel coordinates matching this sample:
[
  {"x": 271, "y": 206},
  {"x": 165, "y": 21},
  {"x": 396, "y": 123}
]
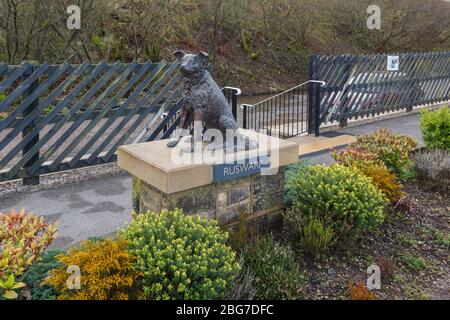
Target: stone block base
[{"x": 260, "y": 197}]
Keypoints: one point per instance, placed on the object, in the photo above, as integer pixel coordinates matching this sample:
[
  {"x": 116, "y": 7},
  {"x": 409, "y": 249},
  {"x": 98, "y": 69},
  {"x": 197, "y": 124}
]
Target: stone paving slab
[{"x": 311, "y": 144}]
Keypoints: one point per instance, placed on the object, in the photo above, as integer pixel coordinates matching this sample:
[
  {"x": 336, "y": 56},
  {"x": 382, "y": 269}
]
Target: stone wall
[{"x": 259, "y": 196}]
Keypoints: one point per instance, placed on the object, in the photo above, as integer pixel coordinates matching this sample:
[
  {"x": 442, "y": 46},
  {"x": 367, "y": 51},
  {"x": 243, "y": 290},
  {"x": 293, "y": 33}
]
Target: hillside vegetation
[{"x": 259, "y": 45}]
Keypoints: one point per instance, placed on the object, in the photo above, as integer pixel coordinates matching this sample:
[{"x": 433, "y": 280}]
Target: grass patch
[
  {"x": 407, "y": 241},
  {"x": 413, "y": 263},
  {"x": 442, "y": 238}
]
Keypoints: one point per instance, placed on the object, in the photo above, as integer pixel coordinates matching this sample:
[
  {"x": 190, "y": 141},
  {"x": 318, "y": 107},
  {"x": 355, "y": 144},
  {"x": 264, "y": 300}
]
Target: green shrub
[
  {"x": 244, "y": 285},
  {"x": 277, "y": 272},
  {"x": 182, "y": 257},
  {"x": 392, "y": 149},
  {"x": 340, "y": 197},
  {"x": 433, "y": 169},
  {"x": 246, "y": 230},
  {"x": 311, "y": 234},
  {"x": 290, "y": 173},
  {"x": 37, "y": 274},
  {"x": 435, "y": 126}
]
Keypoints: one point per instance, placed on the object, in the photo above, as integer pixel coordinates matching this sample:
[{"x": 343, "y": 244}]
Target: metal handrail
[
  {"x": 269, "y": 113},
  {"x": 238, "y": 91},
  {"x": 322, "y": 83}
]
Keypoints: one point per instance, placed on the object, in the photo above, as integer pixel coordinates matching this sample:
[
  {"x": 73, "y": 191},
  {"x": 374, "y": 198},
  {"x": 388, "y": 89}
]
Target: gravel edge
[{"x": 55, "y": 180}]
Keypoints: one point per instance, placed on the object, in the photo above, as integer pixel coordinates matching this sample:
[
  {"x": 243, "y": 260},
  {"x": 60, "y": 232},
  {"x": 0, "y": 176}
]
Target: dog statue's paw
[{"x": 173, "y": 144}]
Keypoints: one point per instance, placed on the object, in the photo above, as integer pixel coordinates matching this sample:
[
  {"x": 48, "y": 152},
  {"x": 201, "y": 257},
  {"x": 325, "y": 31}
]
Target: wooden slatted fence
[{"x": 60, "y": 117}]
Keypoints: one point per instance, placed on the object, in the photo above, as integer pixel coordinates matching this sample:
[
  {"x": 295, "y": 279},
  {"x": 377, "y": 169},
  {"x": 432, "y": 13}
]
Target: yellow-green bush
[
  {"x": 23, "y": 238},
  {"x": 435, "y": 126},
  {"x": 341, "y": 197},
  {"x": 290, "y": 173},
  {"x": 181, "y": 257},
  {"x": 106, "y": 268}
]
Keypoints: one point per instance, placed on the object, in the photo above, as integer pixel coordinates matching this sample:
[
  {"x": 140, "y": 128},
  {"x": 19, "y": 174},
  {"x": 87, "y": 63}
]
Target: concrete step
[{"x": 309, "y": 144}]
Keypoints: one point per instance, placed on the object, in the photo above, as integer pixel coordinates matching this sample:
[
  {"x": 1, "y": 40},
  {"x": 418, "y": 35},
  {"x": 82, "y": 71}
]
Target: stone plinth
[{"x": 206, "y": 186}]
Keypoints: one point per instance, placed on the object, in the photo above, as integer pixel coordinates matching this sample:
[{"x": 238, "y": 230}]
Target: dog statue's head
[{"x": 191, "y": 64}]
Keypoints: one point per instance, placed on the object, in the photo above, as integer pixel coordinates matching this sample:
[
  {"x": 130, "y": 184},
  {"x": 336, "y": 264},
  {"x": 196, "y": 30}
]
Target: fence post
[
  {"x": 34, "y": 180},
  {"x": 310, "y": 108},
  {"x": 409, "y": 103},
  {"x": 244, "y": 115},
  {"x": 234, "y": 104},
  {"x": 409, "y": 107},
  {"x": 343, "y": 122}
]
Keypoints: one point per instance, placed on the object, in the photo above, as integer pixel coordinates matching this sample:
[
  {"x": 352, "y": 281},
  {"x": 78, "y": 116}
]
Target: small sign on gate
[{"x": 393, "y": 63}]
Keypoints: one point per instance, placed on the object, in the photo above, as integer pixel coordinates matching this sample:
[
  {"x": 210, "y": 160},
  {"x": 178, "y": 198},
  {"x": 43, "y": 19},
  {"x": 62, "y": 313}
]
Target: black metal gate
[{"x": 286, "y": 114}]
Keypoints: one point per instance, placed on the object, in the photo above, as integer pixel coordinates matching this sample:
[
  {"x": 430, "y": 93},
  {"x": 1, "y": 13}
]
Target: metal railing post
[
  {"x": 245, "y": 108},
  {"x": 317, "y": 111},
  {"x": 33, "y": 180},
  {"x": 311, "y": 76},
  {"x": 234, "y": 105},
  {"x": 310, "y": 107},
  {"x": 244, "y": 115},
  {"x": 235, "y": 92}
]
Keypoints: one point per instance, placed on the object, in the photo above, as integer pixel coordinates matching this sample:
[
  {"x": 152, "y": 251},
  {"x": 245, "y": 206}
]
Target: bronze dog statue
[{"x": 203, "y": 101}]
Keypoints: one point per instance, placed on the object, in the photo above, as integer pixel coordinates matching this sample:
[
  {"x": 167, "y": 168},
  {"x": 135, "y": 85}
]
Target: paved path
[
  {"x": 88, "y": 209},
  {"x": 100, "y": 207}
]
